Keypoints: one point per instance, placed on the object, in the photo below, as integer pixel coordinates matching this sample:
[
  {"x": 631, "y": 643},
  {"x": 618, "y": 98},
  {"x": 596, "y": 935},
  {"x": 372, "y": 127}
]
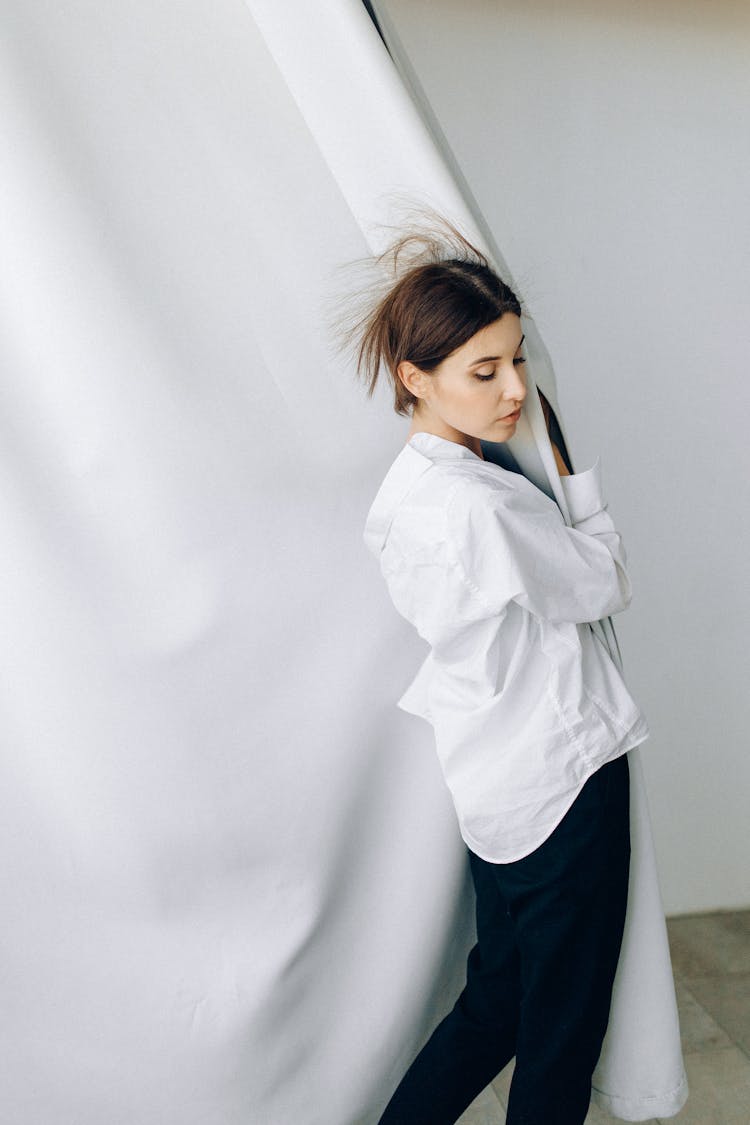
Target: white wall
[{"x": 608, "y": 146}]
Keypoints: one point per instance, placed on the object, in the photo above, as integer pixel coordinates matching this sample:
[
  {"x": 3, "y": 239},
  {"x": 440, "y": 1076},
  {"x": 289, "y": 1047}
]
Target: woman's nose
[{"x": 515, "y": 388}]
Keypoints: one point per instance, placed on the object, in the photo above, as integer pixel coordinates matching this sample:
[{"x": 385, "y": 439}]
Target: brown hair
[{"x": 444, "y": 295}]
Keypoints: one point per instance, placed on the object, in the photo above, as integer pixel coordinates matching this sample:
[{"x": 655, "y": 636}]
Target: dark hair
[{"x": 433, "y": 308}]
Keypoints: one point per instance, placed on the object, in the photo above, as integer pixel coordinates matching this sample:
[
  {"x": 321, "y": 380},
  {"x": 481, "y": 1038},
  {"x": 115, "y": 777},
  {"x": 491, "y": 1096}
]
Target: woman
[{"x": 532, "y": 719}]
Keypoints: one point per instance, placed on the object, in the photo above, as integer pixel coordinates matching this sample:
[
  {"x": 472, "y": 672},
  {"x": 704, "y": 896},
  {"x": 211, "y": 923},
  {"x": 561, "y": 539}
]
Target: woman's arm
[{"x": 513, "y": 545}]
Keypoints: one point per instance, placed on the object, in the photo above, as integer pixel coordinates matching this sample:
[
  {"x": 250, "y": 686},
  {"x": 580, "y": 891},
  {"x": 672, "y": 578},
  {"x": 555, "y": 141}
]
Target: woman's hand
[{"x": 562, "y": 468}]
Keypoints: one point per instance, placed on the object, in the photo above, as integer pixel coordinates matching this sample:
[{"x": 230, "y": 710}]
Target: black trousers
[{"x": 539, "y": 979}]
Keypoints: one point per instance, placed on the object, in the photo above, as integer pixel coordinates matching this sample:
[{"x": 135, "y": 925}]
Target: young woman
[{"x": 532, "y": 719}]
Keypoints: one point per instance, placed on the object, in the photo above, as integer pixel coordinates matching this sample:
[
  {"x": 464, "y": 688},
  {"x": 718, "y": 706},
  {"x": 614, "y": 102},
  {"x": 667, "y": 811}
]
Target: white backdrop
[
  {"x": 605, "y": 143},
  {"x": 233, "y": 888}
]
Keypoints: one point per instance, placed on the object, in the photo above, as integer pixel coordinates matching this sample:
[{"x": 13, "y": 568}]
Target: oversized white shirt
[{"x": 524, "y": 699}]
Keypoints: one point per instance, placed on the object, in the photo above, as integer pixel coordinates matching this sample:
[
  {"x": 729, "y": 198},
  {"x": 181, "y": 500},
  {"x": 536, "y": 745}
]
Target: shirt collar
[
  {"x": 440, "y": 448},
  {"x": 415, "y": 458}
]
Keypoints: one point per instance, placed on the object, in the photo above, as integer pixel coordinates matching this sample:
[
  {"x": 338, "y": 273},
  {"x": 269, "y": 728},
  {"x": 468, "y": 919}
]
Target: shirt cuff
[{"x": 583, "y": 492}]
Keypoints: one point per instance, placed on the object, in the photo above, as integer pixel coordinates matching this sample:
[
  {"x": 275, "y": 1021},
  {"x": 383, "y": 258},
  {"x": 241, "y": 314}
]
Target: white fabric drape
[{"x": 233, "y": 888}]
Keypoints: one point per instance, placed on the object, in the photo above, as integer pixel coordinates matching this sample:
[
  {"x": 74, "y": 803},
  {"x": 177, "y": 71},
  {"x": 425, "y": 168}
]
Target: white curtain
[{"x": 233, "y": 888}]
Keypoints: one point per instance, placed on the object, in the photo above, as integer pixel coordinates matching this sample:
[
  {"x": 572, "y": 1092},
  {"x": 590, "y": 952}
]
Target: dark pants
[{"x": 539, "y": 980}]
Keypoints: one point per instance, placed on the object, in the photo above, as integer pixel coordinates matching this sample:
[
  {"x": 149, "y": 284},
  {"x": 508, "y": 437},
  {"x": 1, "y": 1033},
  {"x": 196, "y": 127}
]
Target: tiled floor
[{"x": 711, "y": 962}]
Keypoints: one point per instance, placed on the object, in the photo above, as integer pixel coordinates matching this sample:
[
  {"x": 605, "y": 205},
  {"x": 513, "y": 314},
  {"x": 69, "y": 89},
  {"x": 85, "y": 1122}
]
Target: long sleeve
[{"x": 513, "y": 544}]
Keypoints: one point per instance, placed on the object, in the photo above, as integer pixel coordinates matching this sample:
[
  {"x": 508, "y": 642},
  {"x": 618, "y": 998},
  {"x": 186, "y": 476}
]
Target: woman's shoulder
[
  {"x": 492, "y": 500},
  {"x": 486, "y": 484},
  {"x": 453, "y": 469},
  {"x": 452, "y": 496},
  {"x": 481, "y": 478}
]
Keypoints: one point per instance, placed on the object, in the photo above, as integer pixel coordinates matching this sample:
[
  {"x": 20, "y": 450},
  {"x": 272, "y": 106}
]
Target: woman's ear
[{"x": 411, "y": 377}]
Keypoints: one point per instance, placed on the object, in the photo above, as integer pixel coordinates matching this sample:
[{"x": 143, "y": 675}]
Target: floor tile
[
  {"x": 741, "y": 921},
  {"x": 719, "y": 1084},
  {"x": 698, "y": 1030},
  {"x": 705, "y": 945},
  {"x": 501, "y": 1084},
  {"x": 727, "y": 1000},
  {"x": 484, "y": 1110},
  {"x": 596, "y": 1116}
]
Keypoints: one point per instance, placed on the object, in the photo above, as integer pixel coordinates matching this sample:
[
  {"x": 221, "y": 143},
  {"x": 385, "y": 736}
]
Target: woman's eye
[{"x": 483, "y": 378}]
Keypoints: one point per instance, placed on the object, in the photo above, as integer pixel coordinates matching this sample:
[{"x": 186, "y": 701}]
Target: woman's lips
[{"x": 511, "y": 417}]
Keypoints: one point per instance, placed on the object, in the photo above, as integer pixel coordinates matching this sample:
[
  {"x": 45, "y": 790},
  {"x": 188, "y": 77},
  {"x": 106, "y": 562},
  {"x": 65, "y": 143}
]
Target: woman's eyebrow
[{"x": 485, "y": 358}]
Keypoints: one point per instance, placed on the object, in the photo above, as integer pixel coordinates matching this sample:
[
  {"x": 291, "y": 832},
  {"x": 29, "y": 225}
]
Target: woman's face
[{"x": 475, "y": 392}]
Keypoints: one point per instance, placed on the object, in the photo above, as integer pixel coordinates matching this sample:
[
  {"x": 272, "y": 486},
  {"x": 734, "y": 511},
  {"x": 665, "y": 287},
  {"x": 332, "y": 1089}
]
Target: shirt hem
[{"x": 627, "y": 745}]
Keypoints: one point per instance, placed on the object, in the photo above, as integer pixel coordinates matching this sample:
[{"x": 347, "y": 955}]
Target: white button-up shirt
[{"x": 524, "y": 699}]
